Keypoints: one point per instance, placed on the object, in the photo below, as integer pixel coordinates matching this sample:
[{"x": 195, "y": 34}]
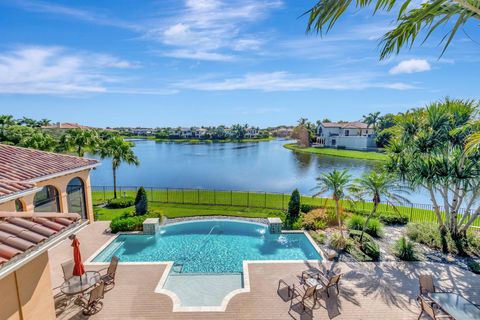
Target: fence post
[
  {"x": 151, "y": 193},
  {"x": 411, "y": 211},
  {"x": 248, "y": 198},
  {"x": 167, "y": 195},
  {"x": 183, "y": 196}
]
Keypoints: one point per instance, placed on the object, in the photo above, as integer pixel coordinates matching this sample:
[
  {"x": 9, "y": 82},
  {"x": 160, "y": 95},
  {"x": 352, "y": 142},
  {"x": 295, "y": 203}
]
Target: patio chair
[
  {"x": 431, "y": 311},
  {"x": 109, "y": 277},
  {"x": 94, "y": 303},
  {"x": 331, "y": 281},
  {"x": 303, "y": 299},
  {"x": 67, "y": 268},
  {"x": 426, "y": 284},
  {"x": 286, "y": 286}
]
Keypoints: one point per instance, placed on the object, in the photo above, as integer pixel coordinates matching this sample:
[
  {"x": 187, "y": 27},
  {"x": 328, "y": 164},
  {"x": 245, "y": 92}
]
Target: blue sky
[{"x": 210, "y": 62}]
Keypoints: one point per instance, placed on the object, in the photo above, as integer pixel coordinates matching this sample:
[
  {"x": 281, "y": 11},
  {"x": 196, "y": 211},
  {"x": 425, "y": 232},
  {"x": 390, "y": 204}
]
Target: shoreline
[
  {"x": 354, "y": 154},
  {"x": 198, "y": 141}
]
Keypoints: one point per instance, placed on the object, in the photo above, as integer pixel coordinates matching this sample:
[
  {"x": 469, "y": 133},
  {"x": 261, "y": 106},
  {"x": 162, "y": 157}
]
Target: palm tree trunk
[
  {"x": 114, "y": 183},
  {"x": 339, "y": 220},
  {"x": 375, "y": 206}
]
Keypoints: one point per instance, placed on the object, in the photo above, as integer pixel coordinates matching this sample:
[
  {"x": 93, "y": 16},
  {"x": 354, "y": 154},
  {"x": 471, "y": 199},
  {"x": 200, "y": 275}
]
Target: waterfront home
[
  {"x": 346, "y": 135},
  {"x": 252, "y": 132},
  {"x": 44, "y": 197}
]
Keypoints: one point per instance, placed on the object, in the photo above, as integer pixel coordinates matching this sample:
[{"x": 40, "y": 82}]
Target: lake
[{"x": 257, "y": 166}]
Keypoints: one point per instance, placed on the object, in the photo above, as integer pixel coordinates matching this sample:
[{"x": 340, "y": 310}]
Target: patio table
[
  {"x": 77, "y": 285},
  {"x": 456, "y": 306}
]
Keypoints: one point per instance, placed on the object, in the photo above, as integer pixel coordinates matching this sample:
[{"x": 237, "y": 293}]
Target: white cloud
[
  {"x": 411, "y": 66},
  {"x": 197, "y": 55},
  {"x": 56, "y": 70},
  {"x": 284, "y": 81}
]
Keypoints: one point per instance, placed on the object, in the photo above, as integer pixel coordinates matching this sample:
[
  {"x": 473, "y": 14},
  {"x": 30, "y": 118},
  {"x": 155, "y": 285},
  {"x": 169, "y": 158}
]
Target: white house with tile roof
[{"x": 346, "y": 135}]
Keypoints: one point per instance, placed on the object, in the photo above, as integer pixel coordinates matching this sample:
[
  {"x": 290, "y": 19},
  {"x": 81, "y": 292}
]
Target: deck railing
[{"x": 416, "y": 212}]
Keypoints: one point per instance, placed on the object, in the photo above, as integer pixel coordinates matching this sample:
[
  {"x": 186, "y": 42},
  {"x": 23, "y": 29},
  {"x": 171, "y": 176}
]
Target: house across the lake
[
  {"x": 44, "y": 197},
  {"x": 346, "y": 135}
]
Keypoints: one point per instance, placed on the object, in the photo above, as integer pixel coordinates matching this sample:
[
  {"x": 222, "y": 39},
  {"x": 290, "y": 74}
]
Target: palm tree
[
  {"x": 379, "y": 187},
  {"x": 29, "y": 122},
  {"x": 79, "y": 139},
  {"x": 372, "y": 119},
  {"x": 337, "y": 182},
  {"x": 120, "y": 151},
  {"x": 5, "y": 121},
  {"x": 411, "y": 21},
  {"x": 44, "y": 122}
]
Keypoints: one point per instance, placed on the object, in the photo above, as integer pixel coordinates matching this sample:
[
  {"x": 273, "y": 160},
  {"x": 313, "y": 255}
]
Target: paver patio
[{"x": 367, "y": 290}]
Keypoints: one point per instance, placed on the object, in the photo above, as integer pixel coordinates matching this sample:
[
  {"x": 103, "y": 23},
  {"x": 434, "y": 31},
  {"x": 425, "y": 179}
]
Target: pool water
[{"x": 210, "y": 246}]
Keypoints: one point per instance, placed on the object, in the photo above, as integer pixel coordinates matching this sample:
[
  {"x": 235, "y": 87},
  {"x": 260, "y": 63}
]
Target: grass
[
  {"x": 196, "y": 201},
  {"x": 188, "y": 210},
  {"x": 367, "y": 155}
]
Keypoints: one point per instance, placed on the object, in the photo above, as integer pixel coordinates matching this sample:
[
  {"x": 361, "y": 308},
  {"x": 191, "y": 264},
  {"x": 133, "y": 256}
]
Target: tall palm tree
[
  {"x": 44, "y": 122},
  {"x": 5, "y": 121},
  {"x": 411, "y": 20},
  {"x": 372, "y": 119},
  {"x": 29, "y": 122},
  {"x": 379, "y": 187},
  {"x": 120, "y": 151},
  {"x": 337, "y": 182},
  {"x": 80, "y": 140}
]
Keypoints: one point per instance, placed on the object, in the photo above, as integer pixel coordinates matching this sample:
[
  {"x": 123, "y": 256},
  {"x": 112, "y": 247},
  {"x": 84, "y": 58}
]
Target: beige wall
[
  {"x": 27, "y": 293},
  {"x": 61, "y": 184}
]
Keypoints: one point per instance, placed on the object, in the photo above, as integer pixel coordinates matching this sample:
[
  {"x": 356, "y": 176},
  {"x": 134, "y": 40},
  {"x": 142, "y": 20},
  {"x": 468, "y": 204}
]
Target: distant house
[
  {"x": 66, "y": 126},
  {"x": 142, "y": 131},
  {"x": 252, "y": 132},
  {"x": 346, "y": 135}
]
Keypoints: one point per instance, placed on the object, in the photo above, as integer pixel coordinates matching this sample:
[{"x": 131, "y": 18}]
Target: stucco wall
[
  {"x": 351, "y": 142},
  {"x": 61, "y": 184},
  {"x": 27, "y": 293}
]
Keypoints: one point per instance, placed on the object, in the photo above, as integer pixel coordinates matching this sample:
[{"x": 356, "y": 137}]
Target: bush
[
  {"x": 353, "y": 249},
  {"x": 120, "y": 203},
  {"x": 429, "y": 235},
  {"x": 355, "y": 222},
  {"x": 126, "y": 223},
  {"x": 294, "y": 205},
  {"x": 141, "y": 202},
  {"x": 307, "y": 208},
  {"x": 314, "y": 220},
  {"x": 474, "y": 266},
  {"x": 319, "y": 238},
  {"x": 337, "y": 241},
  {"x": 394, "y": 218},
  {"x": 405, "y": 250},
  {"x": 368, "y": 246},
  {"x": 374, "y": 228}
]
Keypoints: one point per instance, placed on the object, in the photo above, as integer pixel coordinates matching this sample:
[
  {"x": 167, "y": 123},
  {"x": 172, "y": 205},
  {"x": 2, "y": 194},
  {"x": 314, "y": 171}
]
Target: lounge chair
[
  {"x": 430, "y": 310},
  {"x": 109, "y": 277},
  {"x": 94, "y": 303},
  {"x": 67, "y": 268},
  {"x": 303, "y": 299}
]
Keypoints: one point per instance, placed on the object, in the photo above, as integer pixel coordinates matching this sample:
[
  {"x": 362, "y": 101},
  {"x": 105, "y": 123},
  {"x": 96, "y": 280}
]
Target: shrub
[
  {"x": 314, "y": 220},
  {"x": 353, "y": 249},
  {"x": 119, "y": 203},
  {"x": 294, "y": 205},
  {"x": 337, "y": 241},
  {"x": 394, "y": 218},
  {"x": 355, "y": 222},
  {"x": 141, "y": 202},
  {"x": 126, "y": 223},
  {"x": 429, "y": 235},
  {"x": 319, "y": 238},
  {"x": 474, "y": 266},
  {"x": 368, "y": 246},
  {"x": 295, "y": 225},
  {"x": 374, "y": 228},
  {"x": 404, "y": 249},
  {"x": 307, "y": 207}
]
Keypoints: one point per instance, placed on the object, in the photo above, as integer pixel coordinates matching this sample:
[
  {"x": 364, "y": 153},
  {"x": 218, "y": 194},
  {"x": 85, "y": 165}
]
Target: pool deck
[{"x": 367, "y": 291}]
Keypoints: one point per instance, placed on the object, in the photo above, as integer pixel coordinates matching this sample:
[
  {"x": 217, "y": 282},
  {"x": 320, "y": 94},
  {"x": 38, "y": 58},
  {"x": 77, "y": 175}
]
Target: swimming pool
[{"x": 210, "y": 246}]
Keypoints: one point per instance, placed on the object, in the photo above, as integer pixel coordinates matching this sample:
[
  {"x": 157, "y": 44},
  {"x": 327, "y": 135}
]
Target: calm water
[
  {"x": 210, "y": 246},
  {"x": 263, "y": 166}
]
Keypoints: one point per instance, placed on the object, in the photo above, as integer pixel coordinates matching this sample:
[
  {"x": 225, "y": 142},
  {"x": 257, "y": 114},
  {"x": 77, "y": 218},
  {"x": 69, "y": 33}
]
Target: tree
[
  {"x": 238, "y": 131},
  {"x": 337, "y": 182},
  {"x": 80, "y": 139},
  {"x": 29, "y": 122},
  {"x": 301, "y": 134},
  {"x": 293, "y": 207},
  {"x": 119, "y": 151},
  {"x": 429, "y": 151},
  {"x": 141, "y": 202},
  {"x": 372, "y": 119},
  {"x": 379, "y": 187},
  {"x": 410, "y": 20},
  {"x": 44, "y": 122},
  {"x": 5, "y": 122},
  {"x": 38, "y": 140}
]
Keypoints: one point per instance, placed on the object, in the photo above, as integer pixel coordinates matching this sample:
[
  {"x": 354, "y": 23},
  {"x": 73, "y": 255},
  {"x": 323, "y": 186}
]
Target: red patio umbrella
[{"x": 78, "y": 269}]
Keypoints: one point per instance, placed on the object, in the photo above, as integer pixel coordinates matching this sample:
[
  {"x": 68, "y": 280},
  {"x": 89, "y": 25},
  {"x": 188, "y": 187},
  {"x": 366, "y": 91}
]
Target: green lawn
[
  {"x": 368, "y": 155},
  {"x": 185, "y": 210}
]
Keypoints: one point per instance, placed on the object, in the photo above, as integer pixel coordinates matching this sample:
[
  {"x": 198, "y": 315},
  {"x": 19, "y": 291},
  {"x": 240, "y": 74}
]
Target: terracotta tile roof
[
  {"x": 9, "y": 187},
  {"x": 25, "y": 164},
  {"x": 345, "y": 125},
  {"x": 67, "y": 125},
  {"x": 21, "y": 231}
]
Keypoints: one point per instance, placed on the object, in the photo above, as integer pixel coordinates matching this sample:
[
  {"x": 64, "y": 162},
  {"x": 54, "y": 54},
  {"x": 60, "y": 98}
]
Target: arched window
[
  {"x": 19, "y": 207},
  {"x": 76, "y": 197},
  {"x": 46, "y": 200}
]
